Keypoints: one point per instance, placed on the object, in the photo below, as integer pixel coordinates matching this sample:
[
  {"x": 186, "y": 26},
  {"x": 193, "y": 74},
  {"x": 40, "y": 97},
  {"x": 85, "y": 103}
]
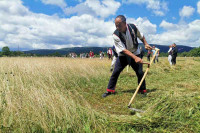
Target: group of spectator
[
  {"x": 112, "y": 54},
  {"x": 73, "y": 55},
  {"x": 101, "y": 54},
  {"x": 87, "y": 55},
  {"x": 84, "y": 55},
  {"x": 172, "y": 54}
]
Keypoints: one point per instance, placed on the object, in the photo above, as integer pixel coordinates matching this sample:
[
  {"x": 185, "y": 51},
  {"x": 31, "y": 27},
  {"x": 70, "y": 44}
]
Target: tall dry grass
[
  {"x": 64, "y": 95},
  {"x": 41, "y": 95}
]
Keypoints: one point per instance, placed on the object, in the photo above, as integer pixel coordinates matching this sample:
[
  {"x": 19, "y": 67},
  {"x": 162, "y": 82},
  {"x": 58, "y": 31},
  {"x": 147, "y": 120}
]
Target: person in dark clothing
[
  {"x": 174, "y": 53},
  {"x": 110, "y": 53},
  {"x": 126, "y": 45},
  {"x": 149, "y": 55}
]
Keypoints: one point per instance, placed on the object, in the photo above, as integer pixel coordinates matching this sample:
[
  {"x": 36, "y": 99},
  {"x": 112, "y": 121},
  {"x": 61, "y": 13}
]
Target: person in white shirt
[
  {"x": 109, "y": 52},
  {"x": 153, "y": 53},
  {"x": 126, "y": 45},
  {"x": 170, "y": 55}
]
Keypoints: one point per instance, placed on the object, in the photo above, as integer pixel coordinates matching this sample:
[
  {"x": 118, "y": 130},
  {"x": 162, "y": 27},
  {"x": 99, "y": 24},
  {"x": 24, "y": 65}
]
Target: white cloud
[
  {"x": 198, "y": 7},
  {"x": 13, "y": 7},
  {"x": 159, "y": 13},
  {"x": 79, "y": 9},
  {"x": 31, "y": 30},
  {"x": 168, "y": 26},
  {"x": 60, "y": 3},
  {"x": 186, "y": 11},
  {"x": 144, "y": 25},
  {"x": 102, "y": 8},
  {"x": 182, "y": 34},
  {"x": 19, "y": 26},
  {"x": 159, "y": 8}
]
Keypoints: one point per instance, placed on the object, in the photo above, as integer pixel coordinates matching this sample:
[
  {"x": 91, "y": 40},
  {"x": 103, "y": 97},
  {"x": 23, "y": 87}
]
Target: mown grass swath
[{"x": 62, "y": 94}]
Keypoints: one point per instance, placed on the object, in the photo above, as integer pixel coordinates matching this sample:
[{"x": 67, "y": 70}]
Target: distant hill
[
  {"x": 66, "y": 51},
  {"x": 164, "y": 48},
  {"x": 78, "y": 50}
]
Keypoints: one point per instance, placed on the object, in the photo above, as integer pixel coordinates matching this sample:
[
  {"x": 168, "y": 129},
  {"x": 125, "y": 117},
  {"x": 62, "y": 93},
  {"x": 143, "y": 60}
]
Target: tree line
[{"x": 7, "y": 53}]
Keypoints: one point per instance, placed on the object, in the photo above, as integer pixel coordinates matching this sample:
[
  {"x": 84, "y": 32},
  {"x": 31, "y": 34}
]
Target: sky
[{"x": 55, "y": 24}]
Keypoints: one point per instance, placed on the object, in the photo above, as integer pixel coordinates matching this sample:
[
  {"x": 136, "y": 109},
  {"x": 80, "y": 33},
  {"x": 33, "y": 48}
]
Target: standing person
[
  {"x": 91, "y": 54},
  {"x": 170, "y": 55},
  {"x": 114, "y": 58},
  {"x": 153, "y": 53},
  {"x": 157, "y": 54},
  {"x": 107, "y": 52},
  {"x": 110, "y": 53},
  {"x": 174, "y": 53},
  {"x": 84, "y": 55},
  {"x": 87, "y": 55},
  {"x": 81, "y": 55},
  {"x": 126, "y": 44},
  {"x": 149, "y": 55},
  {"x": 100, "y": 54}
]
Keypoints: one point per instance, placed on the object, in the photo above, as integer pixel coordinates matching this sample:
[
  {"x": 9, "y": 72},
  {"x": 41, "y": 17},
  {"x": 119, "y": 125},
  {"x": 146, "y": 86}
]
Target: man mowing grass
[{"x": 126, "y": 44}]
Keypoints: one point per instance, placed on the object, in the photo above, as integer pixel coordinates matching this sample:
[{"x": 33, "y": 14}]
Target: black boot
[{"x": 106, "y": 94}]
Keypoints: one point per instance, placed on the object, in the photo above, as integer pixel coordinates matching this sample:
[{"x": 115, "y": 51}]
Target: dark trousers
[
  {"x": 121, "y": 63},
  {"x": 173, "y": 59},
  {"x": 148, "y": 57},
  {"x": 109, "y": 56}
]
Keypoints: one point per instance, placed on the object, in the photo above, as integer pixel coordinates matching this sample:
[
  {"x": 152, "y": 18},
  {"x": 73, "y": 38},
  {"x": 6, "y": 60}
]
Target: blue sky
[
  {"x": 54, "y": 24},
  {"x": 129, "y": 10}
]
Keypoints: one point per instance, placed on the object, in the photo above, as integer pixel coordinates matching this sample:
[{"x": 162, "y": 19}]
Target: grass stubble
[{"x": 64, "y": 95}]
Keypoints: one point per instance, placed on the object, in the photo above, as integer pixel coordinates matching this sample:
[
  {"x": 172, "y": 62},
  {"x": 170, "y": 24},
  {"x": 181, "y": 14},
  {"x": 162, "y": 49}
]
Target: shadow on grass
[{"x": 133, "y": 90}]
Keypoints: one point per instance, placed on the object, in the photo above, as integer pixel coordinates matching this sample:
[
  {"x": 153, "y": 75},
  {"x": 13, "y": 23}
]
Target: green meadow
[{"x": 46, "y": 94}]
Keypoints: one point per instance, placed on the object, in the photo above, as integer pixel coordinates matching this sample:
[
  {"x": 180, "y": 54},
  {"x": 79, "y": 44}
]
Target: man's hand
[
  {"x": 148, "y": 47},
  {"x": 138, "y": 60}
]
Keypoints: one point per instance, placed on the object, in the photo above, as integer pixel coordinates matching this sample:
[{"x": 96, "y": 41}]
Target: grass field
[{"x": 64, "y": 95}]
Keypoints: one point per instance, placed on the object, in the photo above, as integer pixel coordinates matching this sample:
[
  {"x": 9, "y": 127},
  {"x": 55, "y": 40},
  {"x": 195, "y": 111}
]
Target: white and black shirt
[{"x": 120, "y": 46}]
